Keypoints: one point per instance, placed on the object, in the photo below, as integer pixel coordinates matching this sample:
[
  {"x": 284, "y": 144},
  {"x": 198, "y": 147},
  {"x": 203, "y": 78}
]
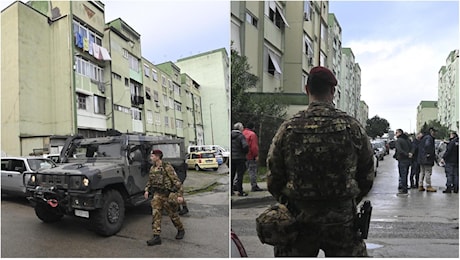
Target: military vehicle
[{"x": 99, "y": 178}]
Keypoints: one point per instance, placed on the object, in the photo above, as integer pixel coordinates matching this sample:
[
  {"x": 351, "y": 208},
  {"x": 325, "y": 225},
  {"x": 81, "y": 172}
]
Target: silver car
[{"x": 13, "y": 169}]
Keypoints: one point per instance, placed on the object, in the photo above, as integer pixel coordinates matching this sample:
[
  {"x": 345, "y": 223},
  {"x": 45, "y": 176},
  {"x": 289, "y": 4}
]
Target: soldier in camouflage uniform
[
  {"x": 167, "y": 193},
  {"x": 320, "y": 162}
]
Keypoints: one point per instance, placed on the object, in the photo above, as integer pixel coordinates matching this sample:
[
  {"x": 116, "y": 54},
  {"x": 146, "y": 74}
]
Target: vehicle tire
[
  {"x": 197, "y": 168},
  {"x": 108, "y": 220},
  {"x": 47, "y": 214}
]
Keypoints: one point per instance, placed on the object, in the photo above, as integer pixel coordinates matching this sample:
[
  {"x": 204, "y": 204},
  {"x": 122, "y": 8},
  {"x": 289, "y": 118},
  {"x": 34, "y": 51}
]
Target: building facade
[
  {"x": 448, "y": 84},
  {"x": 211, "y": 70},
  {"x": 283, "y": 40},
  {"x": 426, "y": 111},
  {"x": 69, "y": 72}
]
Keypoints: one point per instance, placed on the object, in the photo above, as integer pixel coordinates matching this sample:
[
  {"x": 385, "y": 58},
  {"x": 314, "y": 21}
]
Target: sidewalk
[
  {"x": 202, "y": 180},
  {"x": 253, "y": 197}
]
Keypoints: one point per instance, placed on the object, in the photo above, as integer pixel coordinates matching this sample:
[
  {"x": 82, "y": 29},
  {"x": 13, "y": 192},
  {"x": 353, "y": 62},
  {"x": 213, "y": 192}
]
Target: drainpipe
[
  {"x": 111, "y": 82},
  {"x": 73, "y": 102}
]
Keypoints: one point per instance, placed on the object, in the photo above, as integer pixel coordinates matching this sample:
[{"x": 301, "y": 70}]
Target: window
[
  {"x": 136, "y": 113},
  {"x": 116, "y": 76},
  {"x": 273, "y": 63},
  {"x": 165, "y": 100},
  {"x": 126, "y": 82},
  {"x": 133, "y": 63},
  {"x": 163, "y": 80},
  {"x": 149, "y": 116},
  {"x": 324, "y": 32},
  {"x": 179, "y": 124},
  {"x": 125, "y": 54},
  {"x": 81, "y": 101},
  {"x": 308, "y": 46},
  {"x": 166, "y": 121},
  {"x": 81, "y": 32},
  {"x": 147, "y": 93},
  {"x": 251, "y": 19},
  {"x": 146, "y": 70},
  {"x": 177, "y": 90},
  {"x": 99, "y": 105},
  {"x": 155, "y": 95},
  {"x": 307, "y": 10},
  {"x": 89, "y": 69},
  {"x": 157, "y": 118},
  {"x": 171, "y": 103},
  {"x": 177, "y": 106},
  {"x": 275, "y": 14},
  {"x": 154, "y": 75}
]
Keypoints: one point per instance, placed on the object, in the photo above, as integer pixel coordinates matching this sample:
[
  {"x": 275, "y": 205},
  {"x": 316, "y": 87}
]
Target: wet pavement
[{"x": 419, "y": 224}]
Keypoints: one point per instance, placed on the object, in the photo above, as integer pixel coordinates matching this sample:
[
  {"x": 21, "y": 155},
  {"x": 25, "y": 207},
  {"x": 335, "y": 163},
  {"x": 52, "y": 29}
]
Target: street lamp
[{"x": 210, "y": 115}]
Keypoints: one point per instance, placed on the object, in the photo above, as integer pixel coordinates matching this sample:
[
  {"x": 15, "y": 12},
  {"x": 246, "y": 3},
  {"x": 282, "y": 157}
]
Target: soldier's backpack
[{"x": 276, "y": 226}]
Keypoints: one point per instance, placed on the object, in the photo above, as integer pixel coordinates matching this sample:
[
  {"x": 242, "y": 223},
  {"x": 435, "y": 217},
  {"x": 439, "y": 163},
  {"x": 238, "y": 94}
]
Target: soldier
[
  {"x": 167, "y": 193},
  {"x": 320, "y": 165}
]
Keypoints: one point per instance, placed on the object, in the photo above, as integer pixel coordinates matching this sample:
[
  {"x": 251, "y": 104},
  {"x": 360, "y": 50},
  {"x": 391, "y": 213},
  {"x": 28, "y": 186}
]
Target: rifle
[{"x": 364, "y": 219}]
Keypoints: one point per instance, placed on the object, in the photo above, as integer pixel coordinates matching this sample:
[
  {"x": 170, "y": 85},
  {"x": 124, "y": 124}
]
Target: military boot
[
  {"x": 156, "y": 240},
  {"x": 420, "y": 188},
  {"x": 430, "y": 189},
  {"x": 183, "y": 211},
  {"x": 448, "y": 190},
  {"x": 180, "y": 234}
]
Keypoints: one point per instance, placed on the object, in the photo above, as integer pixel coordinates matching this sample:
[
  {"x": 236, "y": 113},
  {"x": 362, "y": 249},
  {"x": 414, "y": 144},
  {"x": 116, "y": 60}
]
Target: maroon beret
[
  {"x": 157, "y": 152},
  {"x": 322, "y": 75}
]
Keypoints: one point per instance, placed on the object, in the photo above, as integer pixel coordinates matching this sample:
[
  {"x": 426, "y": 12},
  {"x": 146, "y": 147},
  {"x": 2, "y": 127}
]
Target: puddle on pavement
[{"x": 373, "y": 246}]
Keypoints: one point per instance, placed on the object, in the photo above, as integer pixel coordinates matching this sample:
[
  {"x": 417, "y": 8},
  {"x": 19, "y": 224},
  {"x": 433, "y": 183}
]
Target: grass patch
[{"x": 210, "y": 188}]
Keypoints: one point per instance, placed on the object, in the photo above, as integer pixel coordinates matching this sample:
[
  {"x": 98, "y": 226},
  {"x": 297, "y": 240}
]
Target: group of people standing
[
  {"x": 419, "y": 155},
  {"x": 245, "y": 155}
]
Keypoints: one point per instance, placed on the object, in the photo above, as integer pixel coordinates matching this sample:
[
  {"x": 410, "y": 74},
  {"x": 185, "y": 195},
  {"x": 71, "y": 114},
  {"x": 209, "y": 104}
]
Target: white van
[{"x": 210, "y": 147}]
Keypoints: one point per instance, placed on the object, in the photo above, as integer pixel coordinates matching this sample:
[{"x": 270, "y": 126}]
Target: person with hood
[
  {"x": 239, "y": 149},
  {"x": 450, "y": 159},
  {"x": 426, "y": 157},
  {"x": 404, "y": 156}
]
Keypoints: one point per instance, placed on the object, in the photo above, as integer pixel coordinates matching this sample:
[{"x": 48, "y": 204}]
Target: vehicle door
[{"x": 12, "y": 177}]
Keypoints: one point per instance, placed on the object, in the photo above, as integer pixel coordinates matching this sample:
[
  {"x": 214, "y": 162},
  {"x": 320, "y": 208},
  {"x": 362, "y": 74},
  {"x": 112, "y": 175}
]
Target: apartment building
[
  {"x": 69, "y": 72},
  {"x": 448, "y": 81},
  {"x": 363, "y": 113},
  {"x": 211, "y": 70},
  {"x": 283, "y": 40},
  {"x": 426, "y": 111}
]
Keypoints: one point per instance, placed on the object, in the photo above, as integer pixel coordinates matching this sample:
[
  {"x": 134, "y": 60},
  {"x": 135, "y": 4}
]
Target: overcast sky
[{"x": 400, "y": 48}]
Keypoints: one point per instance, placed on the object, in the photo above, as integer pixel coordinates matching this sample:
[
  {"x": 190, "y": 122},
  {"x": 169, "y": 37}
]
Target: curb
[{"x": 235, "y": 203}]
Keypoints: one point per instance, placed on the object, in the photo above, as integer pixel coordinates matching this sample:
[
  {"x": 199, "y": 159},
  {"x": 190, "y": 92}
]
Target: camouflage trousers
[
  {"x": 159, "y": 202},
  {"x": 334, "y": 240}
]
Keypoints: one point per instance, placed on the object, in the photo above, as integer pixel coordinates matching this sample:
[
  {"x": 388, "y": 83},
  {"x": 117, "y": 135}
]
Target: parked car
[
  {"x": 379, "y": 148},
  {"x": 202, "y": 160},
  {"x": 14, "y": 168},
  {"x": 225, "y": 153}
]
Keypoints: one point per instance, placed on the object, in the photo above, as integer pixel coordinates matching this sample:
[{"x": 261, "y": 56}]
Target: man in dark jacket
[
  {"x": 239, "y": 150},
  {"x": 426, "y": 157},
  {"x": 415, "y": 166},
  {"x": 450, "y": 158},
  {"x": 403, "y": 155}
]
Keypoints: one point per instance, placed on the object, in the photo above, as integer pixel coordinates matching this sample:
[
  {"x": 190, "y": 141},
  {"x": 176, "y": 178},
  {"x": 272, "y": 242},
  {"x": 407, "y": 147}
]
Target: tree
[
  {"x": 442, "y": 132},
  {"x": 377, "y": 126},
  {"x": 265, "y": 110}
]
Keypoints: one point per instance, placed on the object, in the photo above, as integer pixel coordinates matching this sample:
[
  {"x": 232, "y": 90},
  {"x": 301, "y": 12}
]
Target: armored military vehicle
[{"x": 99, "y": 177}]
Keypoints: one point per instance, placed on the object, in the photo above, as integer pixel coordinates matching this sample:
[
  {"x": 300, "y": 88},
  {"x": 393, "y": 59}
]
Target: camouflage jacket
[
  {"x": 164, "y": 179},
  {"x": 320, "y": 155}
]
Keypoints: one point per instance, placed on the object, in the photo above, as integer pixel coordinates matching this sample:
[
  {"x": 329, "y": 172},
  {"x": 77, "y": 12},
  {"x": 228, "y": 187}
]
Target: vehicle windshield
[
  {"x": 169, "y": 150},
  {"x": 97, "y": 150},
  {"x": 36, "y": 164}
]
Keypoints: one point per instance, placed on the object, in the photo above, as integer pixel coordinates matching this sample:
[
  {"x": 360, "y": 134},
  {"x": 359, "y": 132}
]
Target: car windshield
[
  {"x": 98, "y": 150},
  {"x": 36, "y": 164}
]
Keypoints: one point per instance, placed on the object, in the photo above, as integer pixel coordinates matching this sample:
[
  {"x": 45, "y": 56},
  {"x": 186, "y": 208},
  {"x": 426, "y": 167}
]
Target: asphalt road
[
  {"x": 419, "y": 224},
  {"x": 206, "y": 227}
]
